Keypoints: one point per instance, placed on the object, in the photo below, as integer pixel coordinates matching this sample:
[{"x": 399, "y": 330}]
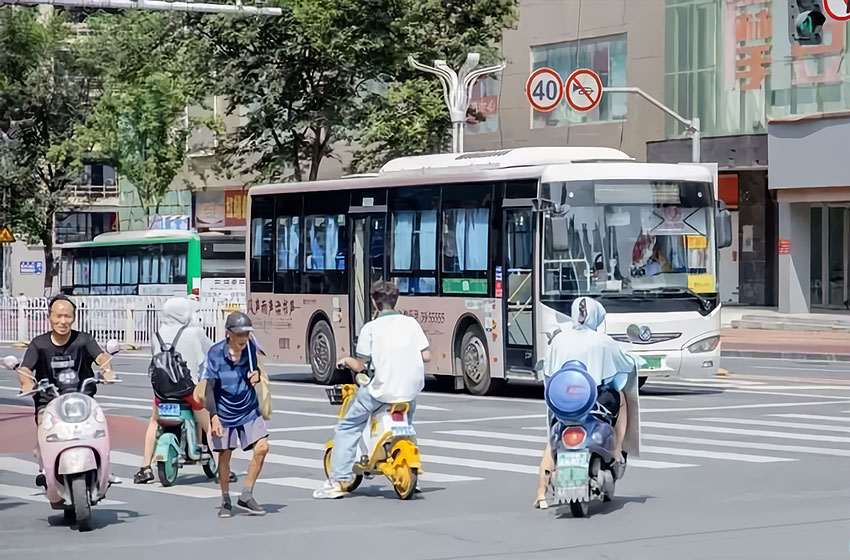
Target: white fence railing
[{"x": 129, "y": 319}]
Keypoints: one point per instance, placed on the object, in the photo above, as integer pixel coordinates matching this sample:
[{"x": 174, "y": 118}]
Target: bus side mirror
[
  {"x": 560, "y": 233},
  {"x": 724, "y": 226}
]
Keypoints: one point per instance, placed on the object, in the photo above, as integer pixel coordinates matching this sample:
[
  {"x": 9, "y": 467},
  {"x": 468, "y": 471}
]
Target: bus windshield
[{"x": 631, "y": 237}]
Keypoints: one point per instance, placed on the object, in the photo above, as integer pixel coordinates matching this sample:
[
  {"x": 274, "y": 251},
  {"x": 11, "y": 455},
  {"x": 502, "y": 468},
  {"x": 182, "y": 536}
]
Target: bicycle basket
[{"x": 334, "y": 394}]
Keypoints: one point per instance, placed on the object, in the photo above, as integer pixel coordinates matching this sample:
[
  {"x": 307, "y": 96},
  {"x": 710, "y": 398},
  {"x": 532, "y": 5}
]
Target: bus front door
[
  {"x": 367, "y": 251},
  {"x": 518, "y": 292}
]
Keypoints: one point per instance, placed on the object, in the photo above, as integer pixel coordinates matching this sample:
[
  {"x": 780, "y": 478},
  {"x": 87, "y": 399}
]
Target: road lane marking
[
  {"x": 712, "y": 455},
  {"x": 742, "y": 406},
  {"x": 32, "y": 495},
  {"x": 639, "y": 463},
  {"x": 292, "y": 482},
  {"x": 813, "y": 417},
  {"x": 427, "y": 476},
  {"x": 490, "y": 419},
  {"x": 300, "y": 429},
  {"x": 325, "y": 401},
  {"x": 776, "y": 424},
  {"x": 743, "y": 432},
  {"x": 749, "y": 445}
]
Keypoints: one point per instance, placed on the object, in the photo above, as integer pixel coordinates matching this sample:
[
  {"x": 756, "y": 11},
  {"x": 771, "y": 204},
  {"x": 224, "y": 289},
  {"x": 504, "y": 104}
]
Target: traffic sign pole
[{"x": 692, "y": 125}]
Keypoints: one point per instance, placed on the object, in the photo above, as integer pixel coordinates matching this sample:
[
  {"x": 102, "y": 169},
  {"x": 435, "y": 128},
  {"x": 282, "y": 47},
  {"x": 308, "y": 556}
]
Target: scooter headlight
[{"x": 74, "y": 409}]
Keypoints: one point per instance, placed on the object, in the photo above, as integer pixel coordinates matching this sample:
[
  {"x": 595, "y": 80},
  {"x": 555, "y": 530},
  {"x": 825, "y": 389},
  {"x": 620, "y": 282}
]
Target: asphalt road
[{"x": 750, "y": 466}]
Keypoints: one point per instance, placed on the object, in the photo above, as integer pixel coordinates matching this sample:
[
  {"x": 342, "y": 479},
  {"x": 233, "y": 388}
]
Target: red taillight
[
  {"x": 398, "y": 416},
  {"x": 573, "y": 436}
]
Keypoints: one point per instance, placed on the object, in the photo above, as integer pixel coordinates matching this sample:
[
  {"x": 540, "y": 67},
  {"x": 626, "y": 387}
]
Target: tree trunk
[{"x": 49, "y": 264}]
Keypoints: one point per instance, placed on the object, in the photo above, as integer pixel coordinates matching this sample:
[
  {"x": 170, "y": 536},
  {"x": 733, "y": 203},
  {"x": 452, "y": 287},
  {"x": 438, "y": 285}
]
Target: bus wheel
[
  {"x": 475, "y": 363},
  {"x": 322, "y": 353}
]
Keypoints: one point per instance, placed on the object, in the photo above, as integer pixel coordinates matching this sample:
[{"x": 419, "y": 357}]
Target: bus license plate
[
  {"x": 169, "y": 409},
  {"x": 403, "y": 431},
  {"x": 651, "y": 362},
  {"x": 572, "y": 471}
]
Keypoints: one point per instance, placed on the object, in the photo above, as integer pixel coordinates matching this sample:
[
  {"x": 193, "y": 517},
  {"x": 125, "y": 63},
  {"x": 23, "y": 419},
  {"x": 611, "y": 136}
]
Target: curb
[{"x": 813, "y": 357}]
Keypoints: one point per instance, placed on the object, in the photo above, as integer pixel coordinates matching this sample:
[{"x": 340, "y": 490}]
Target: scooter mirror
[
  {"x": 112, "y": 347},
  {"x": 11, "y": 363}
]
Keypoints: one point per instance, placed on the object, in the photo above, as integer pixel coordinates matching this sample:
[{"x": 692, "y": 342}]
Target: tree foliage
[
  {"x": 45, "y": 93},
  {"x": 151, "y": 71},
  {"x": 330, "y": 73}
]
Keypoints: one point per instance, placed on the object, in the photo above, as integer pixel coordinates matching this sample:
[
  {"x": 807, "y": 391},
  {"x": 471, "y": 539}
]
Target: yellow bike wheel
[
  {"x": 404, "y": 481},
  {"x": 351, "y": 486}
]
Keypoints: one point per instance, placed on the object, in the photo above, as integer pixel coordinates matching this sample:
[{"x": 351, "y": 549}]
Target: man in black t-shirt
[{"x": 62, "y": 340}]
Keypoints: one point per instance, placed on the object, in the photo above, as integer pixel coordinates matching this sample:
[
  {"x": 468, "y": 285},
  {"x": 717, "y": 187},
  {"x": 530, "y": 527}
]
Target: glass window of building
[{"x": 604, "y": 55}]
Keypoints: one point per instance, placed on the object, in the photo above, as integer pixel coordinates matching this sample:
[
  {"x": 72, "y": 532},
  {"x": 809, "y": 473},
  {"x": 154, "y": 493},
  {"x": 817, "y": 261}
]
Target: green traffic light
[{"x": 809, "y": 25}]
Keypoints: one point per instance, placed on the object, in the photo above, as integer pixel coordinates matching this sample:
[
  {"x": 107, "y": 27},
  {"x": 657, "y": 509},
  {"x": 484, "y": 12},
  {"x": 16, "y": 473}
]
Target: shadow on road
[
  {"x": 4, "y": 504},
  {"x": 100, "y": 518},
  {"x": 599, "y": 508},
  {"x": 678, "y": 390}
]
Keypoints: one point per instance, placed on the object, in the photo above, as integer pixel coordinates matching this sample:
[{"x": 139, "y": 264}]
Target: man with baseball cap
[{"x": 231, "y": 375}]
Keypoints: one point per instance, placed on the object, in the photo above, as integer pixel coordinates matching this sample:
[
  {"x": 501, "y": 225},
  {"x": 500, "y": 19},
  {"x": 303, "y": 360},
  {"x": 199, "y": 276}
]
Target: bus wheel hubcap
[
  {"x": 321, "y": 352},
  {"x": 474, "y": 359}
]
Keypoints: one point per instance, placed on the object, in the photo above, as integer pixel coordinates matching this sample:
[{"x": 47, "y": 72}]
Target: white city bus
[{"x": 487, "y": 249}]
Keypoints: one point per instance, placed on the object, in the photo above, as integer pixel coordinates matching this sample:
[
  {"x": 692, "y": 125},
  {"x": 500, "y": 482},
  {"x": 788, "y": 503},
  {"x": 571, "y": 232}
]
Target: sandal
[
  {"x": 541, "y": 504},
  {"x": 144, "y": 476}
]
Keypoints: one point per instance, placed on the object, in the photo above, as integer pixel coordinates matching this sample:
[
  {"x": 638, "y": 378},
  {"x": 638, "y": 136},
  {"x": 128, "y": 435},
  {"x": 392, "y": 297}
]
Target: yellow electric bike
[{"x": 388, "y": 445}]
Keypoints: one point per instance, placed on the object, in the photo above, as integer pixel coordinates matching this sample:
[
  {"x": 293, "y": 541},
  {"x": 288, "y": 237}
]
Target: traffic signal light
[{"x": 806, "y": 19}]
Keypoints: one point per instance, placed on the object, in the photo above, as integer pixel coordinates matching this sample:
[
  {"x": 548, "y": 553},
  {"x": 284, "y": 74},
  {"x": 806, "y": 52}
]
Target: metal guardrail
[{"x": 129, "y": 319}]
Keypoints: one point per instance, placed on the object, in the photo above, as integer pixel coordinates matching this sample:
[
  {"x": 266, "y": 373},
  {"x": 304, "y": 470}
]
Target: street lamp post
[{"x": 457, "y": 89}]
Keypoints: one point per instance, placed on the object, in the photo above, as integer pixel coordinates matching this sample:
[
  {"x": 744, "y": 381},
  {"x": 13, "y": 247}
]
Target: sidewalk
[{"x": 765, "y": 333}]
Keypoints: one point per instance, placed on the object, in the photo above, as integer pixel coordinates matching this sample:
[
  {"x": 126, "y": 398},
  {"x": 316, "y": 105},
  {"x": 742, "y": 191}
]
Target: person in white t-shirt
[{"x": 398, "y": 350}]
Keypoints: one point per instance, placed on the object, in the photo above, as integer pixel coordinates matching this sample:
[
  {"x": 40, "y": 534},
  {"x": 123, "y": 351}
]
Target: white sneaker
[{"x": 330, "y": 490}]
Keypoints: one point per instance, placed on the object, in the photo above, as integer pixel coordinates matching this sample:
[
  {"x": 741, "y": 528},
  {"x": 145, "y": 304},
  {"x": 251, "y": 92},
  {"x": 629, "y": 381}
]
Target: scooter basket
[{"x": 334, "y": 394}]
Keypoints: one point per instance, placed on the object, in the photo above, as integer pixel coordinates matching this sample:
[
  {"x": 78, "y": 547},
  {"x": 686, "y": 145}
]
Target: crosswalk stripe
[
  {"x": 33, "y": 495},
  {"x": 496, "y": 435},
  {"x": 18, "y": 466},
  {"x": 283, "y": 460},
  {"x": 748, "y": 445},
  {"x": 115, "y": 405},
  {"x": 639, "y": 463},
  {"x": 745, "y": 406},
  {"x": 426, "y": 476},
  {"x": 292, "y": 482},
  {"x": 300, "y": 429},
  {"x": 128, "y": 459},
  {"x": 479, "y": 464},
  {"x": 325, "y": 401},
  {"x": 712, "y": 454},
  {"x": 743, "y": 432},
  {"x": 776, "y": 424},
  {"x": 813, "y": 417}
]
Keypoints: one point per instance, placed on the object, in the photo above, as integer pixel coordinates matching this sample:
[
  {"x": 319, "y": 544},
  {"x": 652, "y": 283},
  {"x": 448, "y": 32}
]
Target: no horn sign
[{"x": 544, "y": 90}]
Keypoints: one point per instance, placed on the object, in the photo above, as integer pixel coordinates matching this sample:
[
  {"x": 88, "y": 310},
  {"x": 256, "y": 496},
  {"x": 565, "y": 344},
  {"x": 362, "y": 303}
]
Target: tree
[
  {"x": 151, "y": 72},
  {"x": 45, "y": 93},
  {"x": 332, "y": 72},
  {"x": 412, "y": 118},
  {"x": 300, "y": 78}
]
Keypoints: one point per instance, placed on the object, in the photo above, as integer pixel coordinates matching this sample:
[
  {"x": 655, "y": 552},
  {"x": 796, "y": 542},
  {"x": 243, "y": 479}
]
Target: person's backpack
[{"x": 169, "y": 374}]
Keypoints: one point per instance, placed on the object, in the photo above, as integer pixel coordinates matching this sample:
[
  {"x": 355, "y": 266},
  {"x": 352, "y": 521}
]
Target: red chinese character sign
[
  {"x": 583, "y": 90},
  {"x": 544, "y": 90},
  {"x": 838, "y": 9}
]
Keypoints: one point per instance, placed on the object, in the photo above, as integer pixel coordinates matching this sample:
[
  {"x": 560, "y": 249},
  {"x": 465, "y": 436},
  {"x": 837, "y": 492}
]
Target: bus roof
[
  {"x": 547, "y": 164},
  {"x": 135, "y": 238},
  {"x": 501, "y": 159}
]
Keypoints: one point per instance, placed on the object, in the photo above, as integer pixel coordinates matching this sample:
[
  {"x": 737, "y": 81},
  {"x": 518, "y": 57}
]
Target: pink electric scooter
[{"x": 73, "y": 441}]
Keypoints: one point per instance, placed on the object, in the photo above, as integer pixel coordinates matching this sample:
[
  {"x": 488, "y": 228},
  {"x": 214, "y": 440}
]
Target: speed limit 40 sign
[{"x": 544, "y": 90}]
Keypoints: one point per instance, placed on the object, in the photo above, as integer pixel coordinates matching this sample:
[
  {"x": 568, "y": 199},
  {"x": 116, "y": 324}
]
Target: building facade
[{"x": 762, "y": 101}]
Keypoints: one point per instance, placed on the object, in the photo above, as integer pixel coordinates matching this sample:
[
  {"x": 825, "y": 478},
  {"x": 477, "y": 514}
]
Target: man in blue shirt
[{"x": 231, "y": 375}]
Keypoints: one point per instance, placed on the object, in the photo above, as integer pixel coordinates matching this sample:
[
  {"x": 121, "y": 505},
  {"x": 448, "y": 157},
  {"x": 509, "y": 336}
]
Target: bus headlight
[{"x": 704, "y": 345}]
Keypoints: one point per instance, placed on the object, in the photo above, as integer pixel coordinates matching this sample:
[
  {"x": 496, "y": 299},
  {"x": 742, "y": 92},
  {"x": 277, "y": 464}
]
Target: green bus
[{"x": 154, "y": 262}]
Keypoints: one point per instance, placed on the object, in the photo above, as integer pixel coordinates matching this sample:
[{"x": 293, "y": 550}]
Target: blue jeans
[{"x": 350, "y": 430}]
